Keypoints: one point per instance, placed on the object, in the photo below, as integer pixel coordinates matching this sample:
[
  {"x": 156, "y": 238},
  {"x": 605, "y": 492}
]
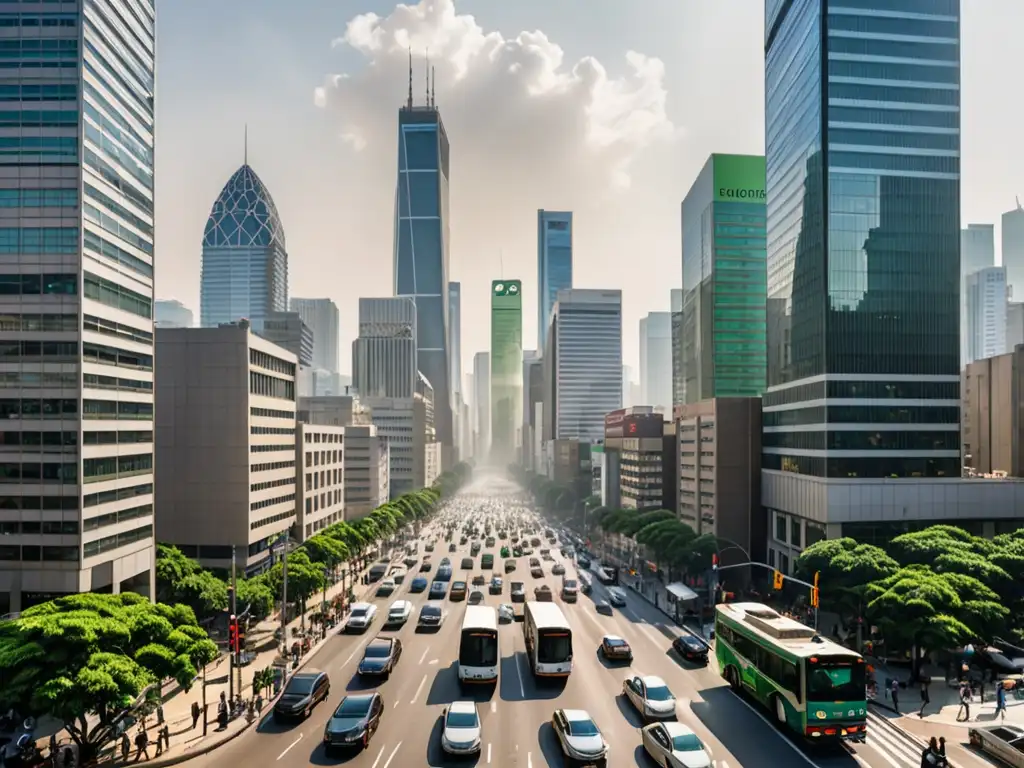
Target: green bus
[
  {"x": 810, "y": 685},
  {"x": 487, "y": 561}
]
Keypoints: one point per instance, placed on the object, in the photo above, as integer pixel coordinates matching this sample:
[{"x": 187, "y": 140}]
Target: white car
[
  {"x": 399, "y": 612},
  {"x": 674, "y": 745},
  {"x": 386, "y": 587},
  {"x": 361, "y": 616},
  {"x": 579, "y": 737},
  {"x": 461, "y": 735},
  {"x": 617, "y": 597},
  {"x": 650, "y": 696}
]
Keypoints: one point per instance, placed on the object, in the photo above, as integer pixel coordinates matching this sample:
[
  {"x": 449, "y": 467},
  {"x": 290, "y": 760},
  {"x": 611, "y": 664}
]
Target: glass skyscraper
[
  {"x": 455, "y": 337},
  {"x": 245, "y": 263},
  {"x": 506, "y": 368},
  {"x": 422, "y": 243},
  {"x": 77, "y": 260},
  {"x": 724, "y": 291},
  {"x": 554, "y": 265},
  {"x": 863, "y": 186}
]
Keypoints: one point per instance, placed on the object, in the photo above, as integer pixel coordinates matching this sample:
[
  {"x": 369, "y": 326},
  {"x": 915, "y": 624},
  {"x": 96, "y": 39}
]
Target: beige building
[
  {"x": 225, "y": 443},
  {"x": 320, "y": 478},
  {"x": 991, "y": 415},
  {"x": 333, "y": 410},
  {"x": 720, "y": 471},
  {"x": 366, "y": 470},
  {"x": 400, "y": 422},
  {"x": 639, "y": 458}
]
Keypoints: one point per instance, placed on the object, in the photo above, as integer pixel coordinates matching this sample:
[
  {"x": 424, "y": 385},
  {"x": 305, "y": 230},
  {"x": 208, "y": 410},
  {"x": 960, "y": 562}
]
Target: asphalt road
[{"x": 516, "y": 713}]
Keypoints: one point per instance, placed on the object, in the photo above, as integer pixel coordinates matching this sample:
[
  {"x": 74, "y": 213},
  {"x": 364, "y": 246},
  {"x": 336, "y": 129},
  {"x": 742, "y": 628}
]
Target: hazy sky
[{"x": 603, "y": 107}]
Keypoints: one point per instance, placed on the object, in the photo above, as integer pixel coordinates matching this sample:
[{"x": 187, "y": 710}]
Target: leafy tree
[
  {"x": 845, "y": 569},
  {"x": 257, "y": 595},
  {"x": 636, "y": 522},
  {"x": 305, "y": 577},
  {"x": 88, "y": 659},
  {"x": 327, "y": 550},
  {"x": 180, "y": 579}
]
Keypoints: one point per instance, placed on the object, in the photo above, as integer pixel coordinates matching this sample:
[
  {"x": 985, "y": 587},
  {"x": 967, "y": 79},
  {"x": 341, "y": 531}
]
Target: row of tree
[
  {"x": 92, "y": 660},
  {"x": 933, "y": 589}
]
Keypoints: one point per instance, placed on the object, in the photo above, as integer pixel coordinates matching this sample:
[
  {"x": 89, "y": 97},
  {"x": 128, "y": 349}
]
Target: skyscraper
[
  {"x": 506, "y": 368},
  {"x": 986, "y": 313},
  {"x": 676, "y": 305},
  {"x": 482, "y": 405},
  {"x": 171, "y": 313},
  {"x": 422, "y": 242},
  {"x": 724, "y": 293},
  {"x": 455, "y": 336},
  {"x": 384, "y": 358},
  {"x": 245, "y": 263},
  {"x": 864, "y": 262},
  {"x": 656, "y": 360},
  {"x": 554, "y": 265},
  {"x": 586, "y": 363},
  {"x": 77, "y": 239},
  {"x": 321, "y": 316},
  {"x": 977, "y": 251},
  {"x": 1013, "y": 250}
]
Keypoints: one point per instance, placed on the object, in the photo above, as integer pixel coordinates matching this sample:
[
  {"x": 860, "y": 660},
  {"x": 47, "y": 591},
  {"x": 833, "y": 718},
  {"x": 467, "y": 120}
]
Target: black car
[
  {"x": 425, "y": 566},
  {"x": 431, "y": 618},
  {"x": 691, "y": 648},
  {"x": 354, "y": 722},
  {"x": 380, "y": 657},
  {"x": 303, "y": 692},
  {"x": 438, "y": 590}
]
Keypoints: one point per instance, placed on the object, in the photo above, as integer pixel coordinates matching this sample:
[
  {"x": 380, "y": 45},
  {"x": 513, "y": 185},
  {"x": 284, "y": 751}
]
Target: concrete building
[
  {"x": 583, "y": 364},
  {"x": 554, "y": 265},
  {"x": 1014, "y": 324},
  {"x": 533, "y": 394},
  {"x": 1013, "y": 250},
  {"x": 719, "y": 472},
  {"x": 366, "y": 470},
  {"x": 986, "y": 311},
  {"x": 677, "y": 346},
  {"x": 506, "y": 369},
  {"x": 656, "y": 360},
  {"x": 482, "y": 405},
  {"x": 78, "y": 255},
  {"x": 225, "y": 443},
  {"x": 992, "y": 428},
  {"x": 977, "y": 251},
  {"x": 287, "y": 329},
  {"x": 384, "y": 357},
  {"x": 639, "y": 456},
  {"x": 320, "y": 478},
  {"x": 321, "y": 317},
  {"x": 171, "y": 313},
  {"x": 402, "y": 422},
  {"x": 333, "y": 410}
]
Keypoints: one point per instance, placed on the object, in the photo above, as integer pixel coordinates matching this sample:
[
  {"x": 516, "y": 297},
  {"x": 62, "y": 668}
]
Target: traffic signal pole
[
  {"x": 779, "y": 578},
  {"x": 232, "y": 632}
]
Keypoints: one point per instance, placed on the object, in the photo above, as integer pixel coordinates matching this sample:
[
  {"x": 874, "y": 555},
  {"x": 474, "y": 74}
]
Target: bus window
[
  {"x": 554, "y": 647},
  {"x": 478, "y": 649},
  {"x": 835, "y": 678}
]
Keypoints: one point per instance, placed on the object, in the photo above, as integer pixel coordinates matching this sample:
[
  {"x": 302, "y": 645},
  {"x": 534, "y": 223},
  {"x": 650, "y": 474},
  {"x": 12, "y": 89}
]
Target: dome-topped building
[{"x": 245, "y": 263}]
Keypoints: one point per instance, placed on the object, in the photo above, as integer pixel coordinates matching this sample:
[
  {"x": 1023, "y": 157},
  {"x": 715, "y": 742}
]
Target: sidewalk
[{"x": 186, "y": 742}]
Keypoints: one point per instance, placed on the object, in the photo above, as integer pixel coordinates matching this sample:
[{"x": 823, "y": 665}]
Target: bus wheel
[
  {"x": 732, "y": 678},
  {"x": 780, "y": 710}
]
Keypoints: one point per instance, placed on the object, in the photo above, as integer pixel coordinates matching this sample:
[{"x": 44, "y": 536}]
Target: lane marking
[
  {"x": 379, "y": 756},
  {"x": 418, "y": 689},
  {"x": 395, "y": 706},
  {"x": 494, "y": 706},
  {"x": 432, "y": 661},
  {"x": 392, "y": 755},
  {"x": 529, "y": 760},
  {"x": 286, "y": 749},
  {"x": 425, "y": 652},
  {"x": 519, "y": 673},
  {"x": 488, "y": 753}
]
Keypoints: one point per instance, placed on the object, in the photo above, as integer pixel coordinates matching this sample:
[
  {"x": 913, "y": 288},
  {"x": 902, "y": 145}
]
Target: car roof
[
  {"x": 401, "y": 604},
  {"x": 462, "y": 708},
  {"x": 360, "y": 698},
  {"x": 577, "y": 715},
  {"x": 676, "y": 728},
  {"x": 612, "y": 639},
  {"x": 380, "y": 641},
  {"x": 361, "y": 605},
  {"x": 307, "y": 674},
  {"x": 652, "y": 681}
]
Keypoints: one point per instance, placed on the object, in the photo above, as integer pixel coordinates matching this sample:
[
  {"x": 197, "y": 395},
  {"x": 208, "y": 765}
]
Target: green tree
[
  {"x": 180, "y": 579},
  {"x": 257, "y": 595},
  {"x": 305, "y": 577},
  {"x": 88, "y": 659},
  {"x": 845, "y": 569}
]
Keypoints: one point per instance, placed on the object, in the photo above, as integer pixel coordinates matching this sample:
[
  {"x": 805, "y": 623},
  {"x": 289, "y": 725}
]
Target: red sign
[
  {"x": 632, "y": 427},
  {"x": 615, "y": 417}
]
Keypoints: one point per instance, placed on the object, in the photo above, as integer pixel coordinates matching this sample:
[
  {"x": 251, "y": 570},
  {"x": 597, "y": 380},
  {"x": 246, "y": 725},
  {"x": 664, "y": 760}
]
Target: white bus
[
  {"x": 548, "y": 639},
  {"x": 478, "y": 645}
]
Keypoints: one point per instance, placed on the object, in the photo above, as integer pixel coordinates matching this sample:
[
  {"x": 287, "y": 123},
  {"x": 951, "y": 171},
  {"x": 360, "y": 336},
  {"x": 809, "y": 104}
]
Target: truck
[{"x": 1003, "y": 742}]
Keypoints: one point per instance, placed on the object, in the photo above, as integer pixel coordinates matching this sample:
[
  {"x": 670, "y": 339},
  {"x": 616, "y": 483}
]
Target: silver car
[
  {"x": 674, "y": 745},
  {"x": 461, "y": 734},
  {"x": 580, "y": 738},
  {"x": 650, "y": 696}
]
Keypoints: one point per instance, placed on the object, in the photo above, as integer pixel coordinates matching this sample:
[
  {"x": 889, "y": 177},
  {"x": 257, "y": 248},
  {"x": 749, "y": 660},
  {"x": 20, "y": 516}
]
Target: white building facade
[
  {"x": 986, "y": 302},
  {"x": 656, "y": 360},
  {"x": 320, "y": 478}
]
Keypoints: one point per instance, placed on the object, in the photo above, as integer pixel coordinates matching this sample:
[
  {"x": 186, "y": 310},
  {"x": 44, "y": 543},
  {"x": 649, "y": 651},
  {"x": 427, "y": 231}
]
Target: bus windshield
[
  {"x": 554, "y": 647},
  {"x": 478, "y": 648},
  {"x": 835, "y": 678}
]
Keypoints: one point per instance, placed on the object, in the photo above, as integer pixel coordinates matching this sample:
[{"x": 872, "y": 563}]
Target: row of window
[
  {"x": 136, "y": 221},
  {"x": 128, "y": 96},
  {"x": 115, "y": 437},
  {"x": 873, "y": 390},
  {"x": 113, "y": 295},
  {"x": 122, "y": 516},
  {"x": 272, "y": 414},
  {"x": 38, "y": 198},
  {"x": 39, "y": 285},
  {"x": 38, "y": 408},
  {"x": 40, "y": 150},
  {"x": 271, "y": 431},
  {"x": 26, "y": 91},
  {"x": 783, "y": 673},
  {"x": 118, "y": 494},
  {"x": 46, "y": 441},
  {"x": 38, "y": 528},
  {"x": 270, "y": 386},
  {"x": 114, "y": 383},
  {"x": 863, "y": 414},
  {"x": 32, "y": 553},
  {"x": 111, "y": 409},
  {"x": 278, "y": 518},
  {"x": 870, "y": 467},
  {"x": 271, "y": 363},
  {"x": 38, "y": 240},
  {"x": 110, "y": 175},
  {"x": 38, "y": 472},
  {"x": 120, "y": 330},
  {"x": 121, "y": 157},
  {"x": 105, "y": 355},
  {"x": 279, "y": 483},
  {"x": 34, "y": 322},
  {"x": 273, "y": 502},
  {"x": 103, "y": 247},
  {"x": 110, "y": 543},
  {"x": 271, "y": 465},
  {"x": 95, "y": 96},
  {"x": 842, "y": 440},
  {"x": 47, "y": 19},
  {"x": 114, "y": 467},
  {"x": 48, "y": 503}
]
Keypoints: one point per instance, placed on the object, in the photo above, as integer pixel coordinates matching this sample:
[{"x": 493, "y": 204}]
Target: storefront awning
[{"x": 681, "y": 592}]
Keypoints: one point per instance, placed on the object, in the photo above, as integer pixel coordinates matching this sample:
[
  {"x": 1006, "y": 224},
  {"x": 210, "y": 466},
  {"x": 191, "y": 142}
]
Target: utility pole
[
  {"x": 284, "y": 608},
  {"x": 238, "y": 621},
  {"x": 232, "y": 632}
]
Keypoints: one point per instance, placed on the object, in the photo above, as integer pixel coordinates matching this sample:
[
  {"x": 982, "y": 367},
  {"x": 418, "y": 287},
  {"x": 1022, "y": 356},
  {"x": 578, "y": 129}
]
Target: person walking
[
  {"x": 1000, "y": 703},
  {"x": 965, "y": 703},
  {"x": 126, "y": 747},
  {"x": 141, "y": 745},
  {"x": 196, "y": 711},
  {"x": 894, "y": 691},
  {"x": 925, "y": 698},
  {"x": 222, "y": 711}
]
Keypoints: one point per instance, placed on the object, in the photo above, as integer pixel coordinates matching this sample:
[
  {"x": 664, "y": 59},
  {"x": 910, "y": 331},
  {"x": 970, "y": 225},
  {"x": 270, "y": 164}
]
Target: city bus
[
  {"x": 478, "y": 645},
  {"x": 812, "y": 686},
  {"x": 548, "y": 639}
]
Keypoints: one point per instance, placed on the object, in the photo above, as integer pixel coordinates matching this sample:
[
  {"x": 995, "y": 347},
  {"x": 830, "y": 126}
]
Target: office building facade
[
  {"x": 384, "y": 356},
  {"x": 554, "y": 265},
  {"x": 986, "y": 309},
  {"x": 482, "y": 405},
  {"x": 77, "y": 198},
  {"x": 422, "y": 245},
  {"x": 506, "y": 368},
  {"x": 171, "y": 313},
  {"x": 585, "y": 362},
  {"x": 366, "y": 470},
  {"x": 319, "y": 478},
  {"x": 533, "y": 394},
  {"x": 321, "y": 317},
  {"x": 864, "y": 260},
  {"x": 245, "y": 262},
  {"x": 286, "y": 329},
  {"x": 656, "y": 360},
  {"x": 992, "y": 427},
  {"x": 455, "y": 337},
  {"x": 724, "y": 284},
  {"x": 1013, "y": 250},
  {"x": 641, "y": 455},
  {"x": 977, "y": 251},
  {"x": 225, "y": 443},
  {"x": 676, "y": 305}
]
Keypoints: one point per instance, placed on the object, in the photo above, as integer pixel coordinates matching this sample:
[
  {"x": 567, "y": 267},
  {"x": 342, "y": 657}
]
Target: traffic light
[
  {"x": 714, "y": 561},
  {"x": 232, "y": 634},
  {"x": 240, "y": 634},
  {"x": 778, "y": 580},
  {"x": 814, "y": 590}
]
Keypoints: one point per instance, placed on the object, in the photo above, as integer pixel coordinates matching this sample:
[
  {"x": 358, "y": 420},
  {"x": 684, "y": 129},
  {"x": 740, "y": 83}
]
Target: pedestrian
[
  {"x": 69, "y": 757},
  {"x": 930, "y": 756},
  {"x": 965, "y": 702},
  {"x": 160, "y": 714},
  {"x": 126, "y": 747},
  {"x": 925, "y": 698},
  {"x": 1000, "y": 703},
  {"x": 196, "y": 711},
  {"x": 895, "y": 693},
  {"x": 222, "y": 711},
  {"x": 141, "y": 744},
  {"x": 53, "y": 747}
]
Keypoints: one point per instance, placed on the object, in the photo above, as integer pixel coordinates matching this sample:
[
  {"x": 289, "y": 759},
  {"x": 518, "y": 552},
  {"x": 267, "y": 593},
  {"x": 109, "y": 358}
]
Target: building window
[{"x": 113, "y": 295}]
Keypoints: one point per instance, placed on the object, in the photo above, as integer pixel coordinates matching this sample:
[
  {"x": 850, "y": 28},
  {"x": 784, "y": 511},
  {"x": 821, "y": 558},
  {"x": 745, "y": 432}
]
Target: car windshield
[
  {"x": 583, "y": 728},
  {"x": 686, "y": 742},
  {"x": 359, "y": 611},
  {"x": 835, "y": 678},
  {"x": 378, "y": 650},
  {"x": 659, "y": 693},
  {"x": 300, "y": 685},
  {"x": 430, "y": 610},
  {"x": 615, "y": 642},
  {"x": 459, "y": 585},
  {"x": 352, "y": 708},
  {"x": 462, "y": 720},
  {"x": 397, "y": 611},
  {"x": 570, "y": 584}
]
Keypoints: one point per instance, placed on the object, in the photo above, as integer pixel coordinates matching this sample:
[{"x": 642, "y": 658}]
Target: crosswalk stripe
[{"x": 889, "y": 743}]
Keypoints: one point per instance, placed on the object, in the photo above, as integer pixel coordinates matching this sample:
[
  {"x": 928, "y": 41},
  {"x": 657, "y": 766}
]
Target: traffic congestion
[{"x": 494, "y": 638}]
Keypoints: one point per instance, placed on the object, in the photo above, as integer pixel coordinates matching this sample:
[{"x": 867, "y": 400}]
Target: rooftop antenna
[
  {"x": 409, "y": 104},
  {"x": 428, "y": 76},
  {"x": 1018, "y": 202},
  {"x": 245, "y": 146},
  {"x": 433, "y": 82}
]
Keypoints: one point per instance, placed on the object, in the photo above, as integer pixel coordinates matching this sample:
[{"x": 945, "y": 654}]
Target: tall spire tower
[{"x": 409, "y": 104}]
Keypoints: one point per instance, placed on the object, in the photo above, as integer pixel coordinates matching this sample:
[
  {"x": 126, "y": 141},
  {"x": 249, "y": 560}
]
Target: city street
[{"x": 516, "y": 715}]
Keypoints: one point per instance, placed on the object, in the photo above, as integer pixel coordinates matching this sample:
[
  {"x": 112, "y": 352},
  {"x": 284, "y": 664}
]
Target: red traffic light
[{"x": 233, "y": 634}]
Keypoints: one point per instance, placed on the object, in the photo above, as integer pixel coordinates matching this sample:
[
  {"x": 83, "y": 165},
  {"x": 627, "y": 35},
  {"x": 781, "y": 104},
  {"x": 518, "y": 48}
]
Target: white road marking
[
  {"x": 379, "y": 756},
  {"x": 494, "y": 706},
  {"x": 418, "y": 689},
  {"x": 395, "y": 706},
  {"x": 529, "y": 760},
  {"x": 519, "y": 673},
  {"x": 425, "y": 652},
  {"x": 432, "y": 661},
  {"x": 488, "y": 754},
  {"x": 392, "y": 755},
  {"x": 286, "y": 749}
]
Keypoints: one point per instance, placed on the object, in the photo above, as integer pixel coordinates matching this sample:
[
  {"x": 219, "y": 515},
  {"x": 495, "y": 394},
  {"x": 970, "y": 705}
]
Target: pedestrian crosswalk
[{"x": 895, "y": 747}]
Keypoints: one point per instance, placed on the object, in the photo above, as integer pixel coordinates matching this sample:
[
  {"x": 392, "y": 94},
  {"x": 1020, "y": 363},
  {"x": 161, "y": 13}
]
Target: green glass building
[
  {"x": 506, "y": 368},
  {"x": 723, "y": 325}
]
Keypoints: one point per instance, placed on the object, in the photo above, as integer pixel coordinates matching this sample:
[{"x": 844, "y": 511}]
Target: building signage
[
  {"x": 506, "y": 287},
  {"x": 739, "y": 178},
  {"x": 614, "y": 418}
]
